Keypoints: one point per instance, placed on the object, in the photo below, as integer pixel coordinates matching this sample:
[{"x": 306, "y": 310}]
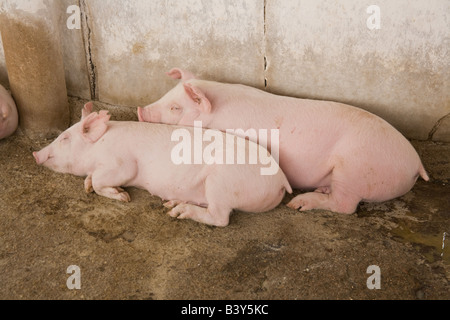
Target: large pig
[
  {"x": 347, "y": 155},
  {"x": 113, "y": 154},
  {"x": 8, "y": 114}
]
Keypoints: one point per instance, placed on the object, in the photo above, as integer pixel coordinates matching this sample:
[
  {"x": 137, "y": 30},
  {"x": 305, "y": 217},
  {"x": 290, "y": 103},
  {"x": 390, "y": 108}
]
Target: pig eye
[
  {"x": 175, "y": 108},
  {"x": 65, "y": 138}
]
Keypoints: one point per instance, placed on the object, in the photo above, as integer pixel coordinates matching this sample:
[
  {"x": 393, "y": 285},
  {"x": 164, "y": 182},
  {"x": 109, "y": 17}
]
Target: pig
[
  {"x": 342, "y": 154},
  {"x": 9, "y": 119},
  {"x": 116, "y": 154}
]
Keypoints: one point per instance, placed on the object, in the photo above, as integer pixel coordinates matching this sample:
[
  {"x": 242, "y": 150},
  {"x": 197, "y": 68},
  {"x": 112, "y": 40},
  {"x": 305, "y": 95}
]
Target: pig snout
[
  {"x": 41, "y": 156},
  {"x": 147, "y": 115},
  {"x": 37, "y": 158},
  {"x": 140, "y": 113},
  {"x": 8, "y": 114},
  {"x": 8, "y": 119}
]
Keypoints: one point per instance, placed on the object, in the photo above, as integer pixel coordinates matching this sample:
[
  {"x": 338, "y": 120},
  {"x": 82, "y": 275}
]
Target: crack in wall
[
  {"x": 436, "y": 126},
  {"x": 87, "y": 39}
]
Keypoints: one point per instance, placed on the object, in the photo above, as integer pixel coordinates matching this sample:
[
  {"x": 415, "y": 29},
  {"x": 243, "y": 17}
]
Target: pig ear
[
  {"x": 178, "y": 74},
  {"x": 94, "y": 126},
  {"x": 197, "y": 95},
  {"x": 87, "y": 110}
]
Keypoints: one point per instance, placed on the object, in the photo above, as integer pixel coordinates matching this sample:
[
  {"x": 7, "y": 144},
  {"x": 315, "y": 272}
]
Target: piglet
[
  {"x": 345, "y": 154},
  {"x": 9, "y": 119},
  {"x": 113, "y": 154}
]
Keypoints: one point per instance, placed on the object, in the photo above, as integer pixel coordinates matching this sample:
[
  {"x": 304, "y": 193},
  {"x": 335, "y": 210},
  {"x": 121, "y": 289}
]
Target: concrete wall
[
  {"x": 135, "y": 42},
  {"x": 324, "y": 50},
  {"x": 74, "y": 53},
  {"x": 303, "y": 48}
]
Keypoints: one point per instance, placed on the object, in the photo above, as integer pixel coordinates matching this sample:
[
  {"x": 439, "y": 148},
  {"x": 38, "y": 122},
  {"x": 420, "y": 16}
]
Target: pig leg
[
  {"x": 172, "y": 204},
  {"x": 212, "y": 215},
  {"x": 340, "y": 196},
  {"x": 115, "y": 193},
  {"x": 106, "y": 182},
  {"x": 336, "y": 201},
  {"x": 218, "y": 211}
]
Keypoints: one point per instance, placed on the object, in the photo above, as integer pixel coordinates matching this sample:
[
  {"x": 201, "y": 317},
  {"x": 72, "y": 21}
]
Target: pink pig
[
  {"x": 345, "y": 154},
  {"x": 114, "y": 154},
  {"x": 9, "y": 119}
]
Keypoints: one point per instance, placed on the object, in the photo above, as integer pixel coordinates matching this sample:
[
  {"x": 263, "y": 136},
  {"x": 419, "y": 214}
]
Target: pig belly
[
  {"x": 184, "y": 183},
  {"x": 305, "y": 157},
  {"x": 306, "y": 175},
  {"x": 369, "y": 159}
]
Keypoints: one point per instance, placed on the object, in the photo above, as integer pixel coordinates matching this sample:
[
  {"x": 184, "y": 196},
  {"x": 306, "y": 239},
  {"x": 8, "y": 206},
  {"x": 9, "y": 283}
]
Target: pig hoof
[
  {"x": 298, "y": 205},
  {"x": 303, "y": 202},
  {"x": 332, "y": 202},
  {"x": 217, "y": 217},
  {"x": 88, "y": 185},
  {"x": 177, "y": 211},
  {"x": 172, "y": 204},
  {"x": 185, "y": 211},
  {"x": 124, "y": 197},
  {"x": 114, "y": 193}
]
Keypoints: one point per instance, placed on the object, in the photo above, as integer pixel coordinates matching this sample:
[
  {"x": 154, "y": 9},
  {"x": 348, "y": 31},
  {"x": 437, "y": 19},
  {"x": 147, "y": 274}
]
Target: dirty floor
[{"x": 136, "y": 251}]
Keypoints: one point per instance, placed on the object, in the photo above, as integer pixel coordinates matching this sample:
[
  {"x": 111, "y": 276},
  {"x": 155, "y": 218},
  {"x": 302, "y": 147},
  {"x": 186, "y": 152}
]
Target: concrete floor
[{"x": 136, "y": 251}]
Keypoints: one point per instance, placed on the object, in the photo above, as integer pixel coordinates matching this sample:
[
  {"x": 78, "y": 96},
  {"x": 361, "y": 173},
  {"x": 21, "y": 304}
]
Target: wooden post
[{"x": 35, "y": 66}]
